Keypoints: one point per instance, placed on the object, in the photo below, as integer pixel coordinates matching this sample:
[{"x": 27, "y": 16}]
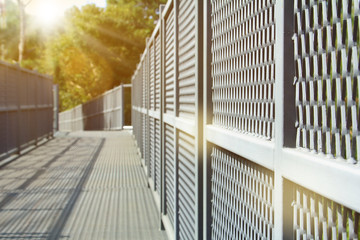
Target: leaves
[{"x": 94, "y": 50}]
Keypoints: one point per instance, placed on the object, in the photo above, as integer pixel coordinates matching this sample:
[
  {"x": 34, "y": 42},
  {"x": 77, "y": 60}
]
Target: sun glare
[{"x": 48, "y": 13}]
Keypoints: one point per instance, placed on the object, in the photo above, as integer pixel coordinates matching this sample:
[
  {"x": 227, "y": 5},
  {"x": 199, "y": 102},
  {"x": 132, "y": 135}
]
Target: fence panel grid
[{"x": 248, "y": 121}]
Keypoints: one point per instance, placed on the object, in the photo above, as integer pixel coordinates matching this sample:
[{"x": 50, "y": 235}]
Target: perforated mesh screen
[
  {"x": 242, "y": 66},
  {"x": 145, "y": 141},
  {"x": 169, "y": 62},
  {"x": 152, "y": 78},
  {"x": 169, "y": 172},
  {"x": 186, "y": 181},
  {"x": 157, "y": 155},
  {"x": 144, "y": 87},
  {"x": 242, "y": 198},
  {"x": 327, "y": 51},
  {"x": 157, "y": 71},
  {"x": 26, "y": 110},
  {"x": 316, "y": 217},
  {"x": 11, "y": 92},
  {"x": 187, "y": 60},
  {"x": 151, "y": 168}
]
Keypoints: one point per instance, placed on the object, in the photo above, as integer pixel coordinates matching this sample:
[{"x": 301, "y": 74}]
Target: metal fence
[
  {"x": 26, "y": 108},
  {"x": 105, "y": 112},
  {"x": 246, "y": 115}
]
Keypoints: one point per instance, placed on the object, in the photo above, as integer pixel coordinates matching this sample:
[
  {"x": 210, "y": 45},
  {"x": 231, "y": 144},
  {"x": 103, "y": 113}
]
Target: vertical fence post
[
  {"x": 162, "y": 109},
  {"x": 279, "y": 119},
  {"x": 289, "y": 111},
  {"x": 122, "y": 107},
  {"x": 147, "y": 106},
  {"x": 18, "y": 135},
  {"x": 6, "y": 80},
  {"x": 176, "y": 113},
  {"x": 56, "y": 107},
  {"x": 207, "y": 119},
  {"x": 284, "y": 109},
  {"x": 199, "y": 118},
  {"x": 36, "y": 111}
]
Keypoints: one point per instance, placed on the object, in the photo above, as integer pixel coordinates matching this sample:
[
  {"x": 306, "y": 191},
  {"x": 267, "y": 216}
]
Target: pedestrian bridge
[
  {"x": 83, "y": 185},
  {"x": 246, "y": 124}
]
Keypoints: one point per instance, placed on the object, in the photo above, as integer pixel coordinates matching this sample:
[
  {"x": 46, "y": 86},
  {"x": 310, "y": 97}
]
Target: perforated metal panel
[
  {"x": 152, "y": 131},
  {"x": 26, "y": 108},
  {"x": 145, "y": 105},
  {"x": 316, "y": 217},
  {"x": 157, "y": 156},
  {"x": 169, "y": 63},
  {"x": 105, "y": 112},
  {"x": 187, "y": 59},
  {"x": 157, "y": 71},
  {"x": 11, "y": 92},
  {"x": 151, "y": 78},
  {"x": 242, "y": 198},
  {"x": 186, "y": 181},
  {"x": 145, "y": 81},
  {"x": 3, "y": 115},
  {"x": 243, "y": 67},
  {"x": 327, "y": 51},
  {"x": 144, "y": 139},
  {"x": 170, "y": 172},
  {"x": 219, "y": 61}
]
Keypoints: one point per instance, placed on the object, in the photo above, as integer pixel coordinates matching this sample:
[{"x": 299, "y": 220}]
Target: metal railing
[
  {"x": 246, "y": 115},
  {"x": 26, "y": 108},
  {"x": 105, "y": 112}
]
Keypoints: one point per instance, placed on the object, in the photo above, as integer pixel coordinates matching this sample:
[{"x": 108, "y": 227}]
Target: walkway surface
[{"x": 85, "y": 185}]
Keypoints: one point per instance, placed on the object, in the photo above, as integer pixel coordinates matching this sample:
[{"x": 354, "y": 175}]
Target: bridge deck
[{"x": 86, "y": 185}]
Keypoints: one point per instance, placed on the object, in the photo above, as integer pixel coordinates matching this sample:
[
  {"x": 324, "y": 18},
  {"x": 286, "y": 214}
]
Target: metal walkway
[{"x": 86, "y": 185}]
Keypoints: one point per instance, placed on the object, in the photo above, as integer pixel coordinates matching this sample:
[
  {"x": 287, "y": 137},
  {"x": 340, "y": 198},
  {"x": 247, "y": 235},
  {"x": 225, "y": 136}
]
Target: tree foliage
[
  {"x": 94, "y": 49},
  {"x": 9, "y": 34}
]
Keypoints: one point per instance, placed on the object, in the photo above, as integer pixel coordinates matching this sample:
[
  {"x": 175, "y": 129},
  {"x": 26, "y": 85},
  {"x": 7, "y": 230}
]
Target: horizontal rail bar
[{"x": 260, "y": 151}]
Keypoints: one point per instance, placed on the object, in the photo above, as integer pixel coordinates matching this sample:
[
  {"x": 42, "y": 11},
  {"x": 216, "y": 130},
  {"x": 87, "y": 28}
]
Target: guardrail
[
  {"x": 26, "y": 108},
  {"x": 105, "y": 112},
  {"x": 246, "y": 115}
]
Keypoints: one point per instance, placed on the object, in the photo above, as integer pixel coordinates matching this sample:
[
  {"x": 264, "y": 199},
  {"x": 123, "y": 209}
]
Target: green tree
[
  {"x": 9, "y": 35},
  {"x": 94, "y": 50},
  {"x": 97, "y": 49},
  {"x": 10, "y": 38}
]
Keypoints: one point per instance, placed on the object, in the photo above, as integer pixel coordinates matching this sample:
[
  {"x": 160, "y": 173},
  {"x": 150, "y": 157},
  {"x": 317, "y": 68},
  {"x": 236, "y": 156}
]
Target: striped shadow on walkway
[{"x": 85, "y": 185}]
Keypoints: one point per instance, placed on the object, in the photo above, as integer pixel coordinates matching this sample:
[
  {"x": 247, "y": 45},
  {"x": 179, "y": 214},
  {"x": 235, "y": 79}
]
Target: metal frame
[{"x": 293, "y": 168}]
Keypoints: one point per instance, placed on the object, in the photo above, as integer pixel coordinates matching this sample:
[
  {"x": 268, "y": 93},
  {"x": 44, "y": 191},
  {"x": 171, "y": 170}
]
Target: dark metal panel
[
  {"x": 186, "y": 186},
  {"x": 169, "y": 63},
  {"x": 187, "y": 59},
  {"x": 243, "y": 66},
  {"x": 169, "y": 173},
  {"x": 20, "y": 109},
  {"x": 316, "y": 217},
  {"x": 151, "y": 77},
  {"x": 157, "y": 69},
  {"x": 327, "y": 77},
  {"x": 157, "y": 155},
  {"x": 242, "y": 198}
]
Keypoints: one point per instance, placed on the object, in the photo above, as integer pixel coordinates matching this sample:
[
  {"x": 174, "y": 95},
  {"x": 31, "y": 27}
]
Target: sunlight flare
[{"x": 48, "y": 13}]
